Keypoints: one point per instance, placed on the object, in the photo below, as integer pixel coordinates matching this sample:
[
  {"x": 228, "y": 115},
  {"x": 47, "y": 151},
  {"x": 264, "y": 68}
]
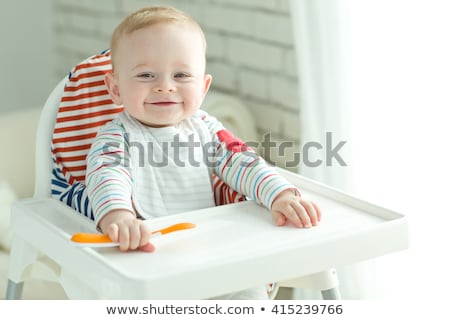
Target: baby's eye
[
  {"x": 146, "y": 75},
  {"x": 181, "y": 75}
]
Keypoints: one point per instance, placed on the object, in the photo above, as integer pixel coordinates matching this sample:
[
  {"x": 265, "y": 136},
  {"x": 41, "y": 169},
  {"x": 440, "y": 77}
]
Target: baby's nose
[{"x": 164, "y": 85}]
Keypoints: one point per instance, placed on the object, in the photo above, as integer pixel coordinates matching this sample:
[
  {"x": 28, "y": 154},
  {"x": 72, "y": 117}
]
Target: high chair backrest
[
  {"x": 85, "y": 106},
  {"x": 43, "y": 162},
  {"x": 72, "y": 115}
]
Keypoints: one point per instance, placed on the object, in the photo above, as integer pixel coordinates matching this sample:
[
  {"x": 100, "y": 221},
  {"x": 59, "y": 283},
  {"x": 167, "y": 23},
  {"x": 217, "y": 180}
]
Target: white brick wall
[
  {"x": 251, "y": 53},
  {"x": 250, "y": 50}
]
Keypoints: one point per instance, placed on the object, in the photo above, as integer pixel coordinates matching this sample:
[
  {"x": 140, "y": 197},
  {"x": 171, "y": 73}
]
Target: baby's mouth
[{"x": 164, "y": 103}]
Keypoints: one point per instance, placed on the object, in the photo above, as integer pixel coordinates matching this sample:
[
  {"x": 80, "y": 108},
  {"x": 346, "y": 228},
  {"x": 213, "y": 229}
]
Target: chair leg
[
  {"x": 21, "y": 255},
  {"x": 14, "y": 290},
  {"x": 326, "y": 282},
  {"x": 331, "y": 294}
]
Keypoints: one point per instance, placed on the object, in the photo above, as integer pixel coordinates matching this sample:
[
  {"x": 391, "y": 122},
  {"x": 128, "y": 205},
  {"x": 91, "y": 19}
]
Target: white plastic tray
[{"x": 233, "y": 247}]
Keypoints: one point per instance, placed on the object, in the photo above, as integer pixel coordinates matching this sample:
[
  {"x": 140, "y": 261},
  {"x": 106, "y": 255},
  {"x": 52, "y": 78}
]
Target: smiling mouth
[{"x": 164, "y": 103}]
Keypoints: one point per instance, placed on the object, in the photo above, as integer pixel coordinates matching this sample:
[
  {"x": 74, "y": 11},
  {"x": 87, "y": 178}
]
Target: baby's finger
[
  {"x": 113, "y": 232},
  {"x": 318, "y": 212},
  {"x": 311, "y": 211},
  {"x": 145, "y": 233},
  {"x": 135, "y": 236},
  {"x": 278, "y": 218},
  {"x": 124, "y": 238},
  {"x": 148, "y": 247},
  {"x": 291, "y": 214},
  {"x": 302, "y": 214}
]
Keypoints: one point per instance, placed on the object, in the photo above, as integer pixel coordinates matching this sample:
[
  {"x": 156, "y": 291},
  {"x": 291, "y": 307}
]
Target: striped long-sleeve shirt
[{"x": 159, "y": 171}]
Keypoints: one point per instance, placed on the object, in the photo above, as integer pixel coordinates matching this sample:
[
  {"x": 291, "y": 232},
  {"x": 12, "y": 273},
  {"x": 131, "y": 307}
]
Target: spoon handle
[{"x": 98, "y": 239}]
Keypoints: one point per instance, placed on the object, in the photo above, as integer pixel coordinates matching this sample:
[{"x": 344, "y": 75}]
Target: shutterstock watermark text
[{"x": 191, "y": 152}]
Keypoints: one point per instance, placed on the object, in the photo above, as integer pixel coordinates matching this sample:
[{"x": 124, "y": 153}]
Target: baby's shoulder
[
  {"x": 115, "y": 126},
  {"x": 207, "y": 120},
  {"x": 200, "y": 115}
]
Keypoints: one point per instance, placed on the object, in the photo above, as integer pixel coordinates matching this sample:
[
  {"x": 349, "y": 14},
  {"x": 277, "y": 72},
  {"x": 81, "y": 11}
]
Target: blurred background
[{"x": 375, "y": 74}]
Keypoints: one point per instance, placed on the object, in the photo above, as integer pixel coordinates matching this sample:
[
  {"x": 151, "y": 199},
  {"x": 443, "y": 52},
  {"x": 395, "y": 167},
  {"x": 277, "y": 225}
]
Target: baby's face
[{"x": 160, "y": 74}]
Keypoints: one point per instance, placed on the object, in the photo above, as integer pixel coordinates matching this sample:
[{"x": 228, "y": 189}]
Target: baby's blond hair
[{"x": 149, "y": 16}]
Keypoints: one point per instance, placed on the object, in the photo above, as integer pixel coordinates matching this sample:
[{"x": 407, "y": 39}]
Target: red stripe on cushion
[
  {"x": 84, "y": 116},
  {"x": 86, "y": 105},
  {"x": 85, "y": 95},
  {"x": 81, "y": 126},
  {"x": 72, "y": 159},
  {"x": 76, "y": 168},
  {"x": 92, "y": 84},
  {"x": 75, "y": 138},
  {"x": 105, "y": 62},
  {"x": 87, "y": 75}
]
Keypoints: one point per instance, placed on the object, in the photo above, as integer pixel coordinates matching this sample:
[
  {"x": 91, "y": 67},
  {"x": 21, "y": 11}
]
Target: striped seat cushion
[{"x": 85, "y": 106}]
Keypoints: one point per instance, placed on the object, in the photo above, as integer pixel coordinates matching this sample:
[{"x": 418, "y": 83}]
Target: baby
[{"x": 158, "y": 157}]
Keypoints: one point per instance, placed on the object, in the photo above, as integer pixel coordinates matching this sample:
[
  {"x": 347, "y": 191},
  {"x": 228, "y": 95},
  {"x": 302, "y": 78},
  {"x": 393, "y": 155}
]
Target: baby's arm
[
  {"x": 247, "y": 173},
  {"x": 122, "y": 226},
  {"x": 290, "y": 206},
  {"x": 109, "y": 185}
]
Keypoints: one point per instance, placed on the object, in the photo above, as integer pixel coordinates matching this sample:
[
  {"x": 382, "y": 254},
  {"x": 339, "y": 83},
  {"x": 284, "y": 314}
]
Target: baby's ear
[
  {"x": 113, "y": 88},
  {"x": 206, "y": 83}
]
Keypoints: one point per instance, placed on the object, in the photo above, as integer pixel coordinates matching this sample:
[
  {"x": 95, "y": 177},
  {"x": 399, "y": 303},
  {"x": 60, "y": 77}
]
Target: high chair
[{"x": 234, "y": 246}]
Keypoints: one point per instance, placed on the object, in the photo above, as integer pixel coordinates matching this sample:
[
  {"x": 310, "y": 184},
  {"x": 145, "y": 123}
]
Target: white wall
[
  {"x": 250, "y": 52},
  {"x": 26, "y": 71}
]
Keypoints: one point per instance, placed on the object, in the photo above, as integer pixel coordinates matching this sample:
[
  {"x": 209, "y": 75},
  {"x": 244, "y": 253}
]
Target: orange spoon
[{"x": 97, "y": 239}]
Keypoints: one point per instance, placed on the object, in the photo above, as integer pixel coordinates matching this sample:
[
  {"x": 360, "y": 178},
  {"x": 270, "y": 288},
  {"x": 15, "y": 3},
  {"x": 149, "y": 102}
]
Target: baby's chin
[
  {"x": 166, "y": 118},
  {"x": 157, "y": 125}
]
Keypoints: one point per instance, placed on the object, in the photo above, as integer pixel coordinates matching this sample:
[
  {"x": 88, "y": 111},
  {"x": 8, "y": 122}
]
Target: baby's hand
[
  {"x": 289, "y": 206},
  {"x": 123, "y": 227}
]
